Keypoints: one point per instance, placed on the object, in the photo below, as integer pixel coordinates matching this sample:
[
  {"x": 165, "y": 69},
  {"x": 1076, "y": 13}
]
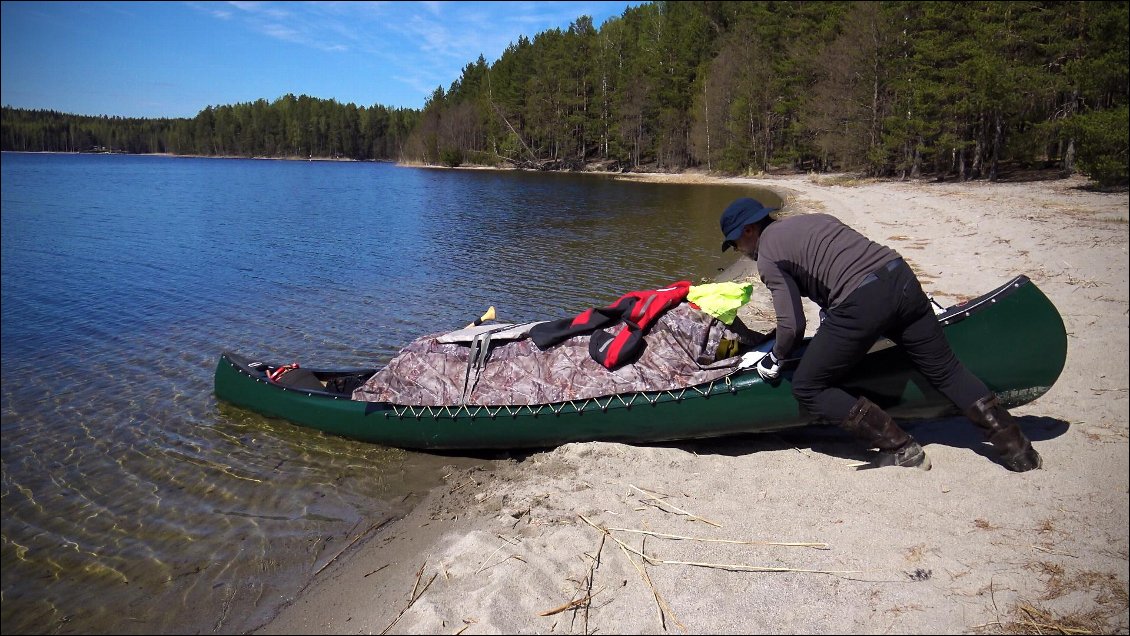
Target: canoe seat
[{"x": 300, "y": 378}]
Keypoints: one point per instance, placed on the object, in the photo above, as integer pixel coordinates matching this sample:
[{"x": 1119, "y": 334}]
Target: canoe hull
[{"x": 1012, "y": 338}]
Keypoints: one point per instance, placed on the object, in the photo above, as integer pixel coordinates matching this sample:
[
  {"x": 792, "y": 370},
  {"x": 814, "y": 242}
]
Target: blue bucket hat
[{"x": 739, "y": 214}]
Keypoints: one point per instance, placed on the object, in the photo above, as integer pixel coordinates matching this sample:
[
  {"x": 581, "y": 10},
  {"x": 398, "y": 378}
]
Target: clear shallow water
[{"x": 134, "y": 502}]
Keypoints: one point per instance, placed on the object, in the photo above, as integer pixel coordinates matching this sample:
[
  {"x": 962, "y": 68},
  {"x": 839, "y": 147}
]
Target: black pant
[{"x": 891, "y": 304}]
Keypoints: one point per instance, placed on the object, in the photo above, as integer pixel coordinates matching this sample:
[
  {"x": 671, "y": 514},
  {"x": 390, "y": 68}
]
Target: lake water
[{"x": 134, "y": 502}]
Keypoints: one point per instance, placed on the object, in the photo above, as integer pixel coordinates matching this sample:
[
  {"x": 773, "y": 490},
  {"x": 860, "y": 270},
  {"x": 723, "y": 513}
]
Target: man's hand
[{"x": 769, "y": 368}]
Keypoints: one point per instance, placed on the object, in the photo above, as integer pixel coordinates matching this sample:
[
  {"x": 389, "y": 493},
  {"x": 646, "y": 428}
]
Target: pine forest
[{"x": 959, "y": 90}]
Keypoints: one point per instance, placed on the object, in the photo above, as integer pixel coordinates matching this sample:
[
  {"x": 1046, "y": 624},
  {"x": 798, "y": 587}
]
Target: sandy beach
[{"x": 781, "y": 533}]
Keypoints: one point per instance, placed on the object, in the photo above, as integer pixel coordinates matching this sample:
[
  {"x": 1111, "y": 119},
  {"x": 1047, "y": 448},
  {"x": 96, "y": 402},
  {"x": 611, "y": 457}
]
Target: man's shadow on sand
[{"x": 828, "y": 439}]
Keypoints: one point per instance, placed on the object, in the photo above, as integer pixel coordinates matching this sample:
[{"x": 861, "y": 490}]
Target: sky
[{"x": 172, "y": 59}]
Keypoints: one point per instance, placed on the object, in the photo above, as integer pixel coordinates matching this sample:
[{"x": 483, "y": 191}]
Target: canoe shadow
[
  {"x": 825, "y": 439},
  {"x": 956, "y": 432}
]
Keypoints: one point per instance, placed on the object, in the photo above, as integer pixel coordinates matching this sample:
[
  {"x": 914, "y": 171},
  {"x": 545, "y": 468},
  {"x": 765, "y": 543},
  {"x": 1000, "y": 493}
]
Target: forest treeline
[
  {"x": 904, "y": 89},
  {"x": 294, "y": 127}
]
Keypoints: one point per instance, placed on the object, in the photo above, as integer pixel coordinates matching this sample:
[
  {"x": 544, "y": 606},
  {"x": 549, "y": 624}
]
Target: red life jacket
[{"x": 638, "y": 310}]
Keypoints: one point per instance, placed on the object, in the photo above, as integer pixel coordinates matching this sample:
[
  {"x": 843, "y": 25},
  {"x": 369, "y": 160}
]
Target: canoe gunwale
[
  {"x": 245, "y": 366},
  {"x": 952, "y": 315},
  {"x": 617, "y": 400},
  {"x": 957, "y": 313}
]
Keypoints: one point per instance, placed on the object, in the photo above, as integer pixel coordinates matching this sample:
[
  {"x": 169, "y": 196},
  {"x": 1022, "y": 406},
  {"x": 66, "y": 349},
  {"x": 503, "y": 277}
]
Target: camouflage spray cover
[{"x": 682, "y": 350}]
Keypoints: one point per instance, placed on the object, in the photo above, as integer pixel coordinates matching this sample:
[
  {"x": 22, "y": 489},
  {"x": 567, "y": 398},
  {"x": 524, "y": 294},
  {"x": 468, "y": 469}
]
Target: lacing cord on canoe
[{"x": 580, "y": 407}]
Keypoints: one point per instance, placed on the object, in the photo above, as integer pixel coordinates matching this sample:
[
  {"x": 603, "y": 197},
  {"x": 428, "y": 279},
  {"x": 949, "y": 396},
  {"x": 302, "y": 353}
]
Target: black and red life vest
[{"x": 638, "y": 310}]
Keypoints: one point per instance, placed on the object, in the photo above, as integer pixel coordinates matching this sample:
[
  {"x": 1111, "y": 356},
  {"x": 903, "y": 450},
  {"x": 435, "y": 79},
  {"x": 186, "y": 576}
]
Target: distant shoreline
[
  {"x": 178, "y": 156},
  {"x": 691, "y": 175}
]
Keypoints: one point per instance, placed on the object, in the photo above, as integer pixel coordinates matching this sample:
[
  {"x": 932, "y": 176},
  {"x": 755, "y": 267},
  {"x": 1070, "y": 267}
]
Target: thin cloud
[
  {"x": 212, "y": 10},
  {"x": 434, "y": 8},
  {"x": 305, "y": 28},
  {"x": 429, "y": 42},
  {"x": 453, "y": 31},
  {"x": 262, "y": 9}
]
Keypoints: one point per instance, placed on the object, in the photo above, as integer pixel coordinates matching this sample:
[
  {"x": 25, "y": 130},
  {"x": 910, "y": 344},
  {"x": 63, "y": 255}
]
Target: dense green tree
[
  {"x": 851, "y": 95},
  {"x": 288, "y": 127},
  {"x": 962, "y": 90}
]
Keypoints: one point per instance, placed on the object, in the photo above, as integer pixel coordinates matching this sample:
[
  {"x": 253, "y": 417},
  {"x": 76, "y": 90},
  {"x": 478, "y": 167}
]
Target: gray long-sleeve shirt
[{"x": 817, "y": 257}]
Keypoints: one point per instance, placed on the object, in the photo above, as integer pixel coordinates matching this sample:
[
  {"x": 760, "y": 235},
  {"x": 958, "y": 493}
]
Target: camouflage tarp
[{"x": 682, "y": 350}]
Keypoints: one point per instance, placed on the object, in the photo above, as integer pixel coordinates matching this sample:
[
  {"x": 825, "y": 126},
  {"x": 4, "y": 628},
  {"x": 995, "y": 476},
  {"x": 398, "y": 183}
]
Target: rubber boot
[
  {"x": 874, "y": 426},
  {"x": 1004, "y": 434}
]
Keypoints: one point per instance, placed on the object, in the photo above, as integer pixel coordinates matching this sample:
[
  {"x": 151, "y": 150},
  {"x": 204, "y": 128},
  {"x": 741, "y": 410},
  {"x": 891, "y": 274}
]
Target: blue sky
[{"x": 171, "y": 59}]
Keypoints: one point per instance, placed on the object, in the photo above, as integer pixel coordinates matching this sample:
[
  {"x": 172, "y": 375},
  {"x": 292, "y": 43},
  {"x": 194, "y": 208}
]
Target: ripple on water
[{"x": 133, "y": 502}]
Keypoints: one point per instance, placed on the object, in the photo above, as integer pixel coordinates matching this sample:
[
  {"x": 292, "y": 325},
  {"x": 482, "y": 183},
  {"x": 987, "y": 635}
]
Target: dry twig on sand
[
  {"x": 575, "y": 603},
  {"x": 592, "y": 578},
  {"x": 1032, "y": 620},
  {"x": 512, "y": 556},
  {"x": 379, "y": 524},
  {"x": 586, "y": 601},
  {"x": 660, "y": 503},
  {"x": 661, "y": 535},
  {"x": 741, "y": 567},
  {"x": 664, "y": 609},
  {"x": 376, "y": 570},
  {"x": 736, "y": 567},
  {"x": 413, "y": 595}
]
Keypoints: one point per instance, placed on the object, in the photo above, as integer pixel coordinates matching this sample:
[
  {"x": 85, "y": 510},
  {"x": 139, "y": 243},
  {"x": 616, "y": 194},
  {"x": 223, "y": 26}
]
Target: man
[{"x": 866, "y": 290}]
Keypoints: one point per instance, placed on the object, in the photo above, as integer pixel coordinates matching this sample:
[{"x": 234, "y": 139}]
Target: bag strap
[
  {"x": 505, "y": 331},
  {"x": 476, "y": 359}
]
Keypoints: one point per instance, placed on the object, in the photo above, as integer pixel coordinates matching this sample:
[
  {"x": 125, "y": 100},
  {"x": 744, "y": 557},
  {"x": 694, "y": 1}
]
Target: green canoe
[{"x": 1012, "y": 338}]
